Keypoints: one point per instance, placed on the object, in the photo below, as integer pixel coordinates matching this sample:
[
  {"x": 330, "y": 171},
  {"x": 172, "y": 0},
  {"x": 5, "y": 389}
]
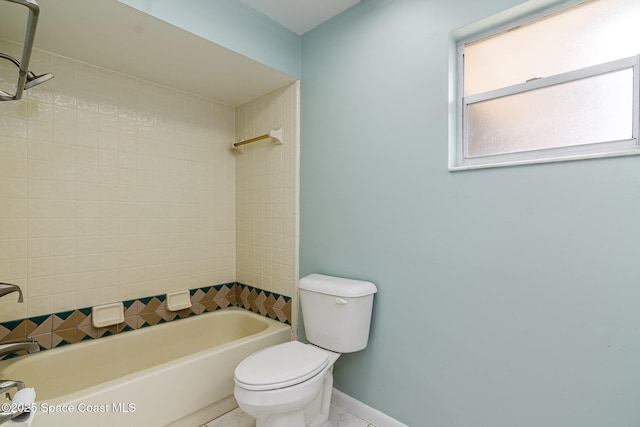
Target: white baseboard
[{"x": 364, "y": 411}]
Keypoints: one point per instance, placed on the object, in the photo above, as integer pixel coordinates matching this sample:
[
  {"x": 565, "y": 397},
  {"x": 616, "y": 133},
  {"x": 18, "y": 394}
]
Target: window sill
[{"x": 617, "y": 149}]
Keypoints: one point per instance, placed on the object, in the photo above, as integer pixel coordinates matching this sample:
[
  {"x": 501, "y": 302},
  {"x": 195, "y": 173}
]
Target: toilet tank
[{"x": 336, "y": 312}]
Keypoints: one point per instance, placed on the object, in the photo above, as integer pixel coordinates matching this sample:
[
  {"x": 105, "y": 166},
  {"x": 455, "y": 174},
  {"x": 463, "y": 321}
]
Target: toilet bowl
[
  {"x": 290, "y": 384},
  {"x": 277, "y": 384}
]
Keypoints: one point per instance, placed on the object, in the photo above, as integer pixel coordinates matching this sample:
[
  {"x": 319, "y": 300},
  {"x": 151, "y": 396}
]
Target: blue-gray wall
[
  {"x": 231, "y": 24},
  {"x": 507, "y": 297}
]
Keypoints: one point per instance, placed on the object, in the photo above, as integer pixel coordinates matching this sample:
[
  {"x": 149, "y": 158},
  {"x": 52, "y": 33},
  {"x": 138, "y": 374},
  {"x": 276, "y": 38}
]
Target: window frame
[{"x": 458, "y": 160}]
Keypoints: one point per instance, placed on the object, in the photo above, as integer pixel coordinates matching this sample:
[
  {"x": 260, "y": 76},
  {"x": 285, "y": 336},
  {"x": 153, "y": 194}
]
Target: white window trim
[
  {"x": 629, "y": 146},
  {"x": 457, "y": 103}
]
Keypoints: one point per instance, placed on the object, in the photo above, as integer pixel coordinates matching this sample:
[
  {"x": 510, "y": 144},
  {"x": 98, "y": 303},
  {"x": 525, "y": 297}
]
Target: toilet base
[
  {"x": 305, "y": 404},
  {"x": 296, "y": 417}
]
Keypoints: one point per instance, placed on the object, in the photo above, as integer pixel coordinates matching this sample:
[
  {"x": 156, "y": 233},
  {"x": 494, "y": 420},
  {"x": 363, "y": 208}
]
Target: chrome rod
[{"x": 23, "y": 65}]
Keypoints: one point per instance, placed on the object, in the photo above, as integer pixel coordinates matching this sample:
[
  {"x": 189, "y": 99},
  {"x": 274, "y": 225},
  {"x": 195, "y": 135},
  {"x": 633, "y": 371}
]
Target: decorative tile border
[
  {"x": 70, "y": 327},
  {"x": 268, "y": 304}
]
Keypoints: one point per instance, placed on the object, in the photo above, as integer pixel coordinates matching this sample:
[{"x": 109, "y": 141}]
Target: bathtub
[{"x": 175, "y": 374}]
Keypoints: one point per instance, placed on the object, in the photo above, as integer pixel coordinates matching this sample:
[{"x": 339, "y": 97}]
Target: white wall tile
[
  {"x": 266, "y": 220},
  {"x": 109, "y": 186},
  {"x": 15, "y": 168},
  {"x": 40, "y": 227},
  {"x": 66, "y": 264},
  {"x": 63, "y": 190},
  {"x": 65, "y": 301},
  {"x": 13, "y": 188},
  {"x": 64, "y": 283},
  {"x": 39, "y": 150},
  {"x": 13, "y": 147},
  {"x": 126, "y": 189},
  {"x": 40, "y": 247},
  {"x": 38, "y": 305},
  {"x": 39, "y": 267},
  {"x": 13, "y": 248},
  {"x": 40, "y": 169},
  {"x": 13, "y": 228},
  {"x": 39, "y": 286}
]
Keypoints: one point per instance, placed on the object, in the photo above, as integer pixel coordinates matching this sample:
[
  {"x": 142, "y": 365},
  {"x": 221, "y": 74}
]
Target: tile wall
[
  {"x": 267, "y": 195},
  {"x": 113, "y": 188}
]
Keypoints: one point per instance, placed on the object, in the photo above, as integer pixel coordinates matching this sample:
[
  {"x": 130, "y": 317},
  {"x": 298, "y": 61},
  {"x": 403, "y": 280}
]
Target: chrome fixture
[
  {"x": 32, "y": 78},
  {"x": 29, "y": 345},
  {"x": 27, "y": 79},
  {"x": 7, "y": 288},
  {"x": 5, "y": 386}
]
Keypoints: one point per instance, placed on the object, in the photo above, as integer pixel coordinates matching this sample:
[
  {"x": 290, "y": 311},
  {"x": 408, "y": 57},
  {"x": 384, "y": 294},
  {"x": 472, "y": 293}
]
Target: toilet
[{"x": 290, "y": 384}]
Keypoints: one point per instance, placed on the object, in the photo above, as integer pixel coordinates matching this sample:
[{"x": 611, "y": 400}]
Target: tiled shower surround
[
  {"x": 267, "y": 195},
  {"x": 113, "y": 188},
  {"x": 70, "y": 327}
]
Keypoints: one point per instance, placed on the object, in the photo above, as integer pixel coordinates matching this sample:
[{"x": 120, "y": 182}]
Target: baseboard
[{"x": 364, "y": 411}]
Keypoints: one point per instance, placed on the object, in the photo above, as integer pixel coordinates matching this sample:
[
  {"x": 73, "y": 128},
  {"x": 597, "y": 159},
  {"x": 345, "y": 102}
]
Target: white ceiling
[
  {"x": 300, "y": 16},
  {"x": 115, "y": 36}
]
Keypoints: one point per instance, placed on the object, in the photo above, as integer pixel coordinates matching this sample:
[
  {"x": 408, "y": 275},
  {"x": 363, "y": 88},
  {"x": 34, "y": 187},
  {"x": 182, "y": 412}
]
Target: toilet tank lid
[{"x": 337, "y": 286}]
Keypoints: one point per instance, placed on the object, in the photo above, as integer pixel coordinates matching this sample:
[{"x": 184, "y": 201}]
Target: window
[{"x": 557, "y": 85}]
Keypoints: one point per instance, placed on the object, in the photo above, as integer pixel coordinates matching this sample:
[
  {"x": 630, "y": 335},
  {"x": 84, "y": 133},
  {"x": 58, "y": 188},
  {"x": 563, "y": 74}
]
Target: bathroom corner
[{"x": 267, "y": 195}]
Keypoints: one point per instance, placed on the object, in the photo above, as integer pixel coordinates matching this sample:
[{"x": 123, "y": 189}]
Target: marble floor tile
[
  {"x": 341, "y": 418},
  {"x": 235, "y": 418},
  {"x": 337, "y": 416}
]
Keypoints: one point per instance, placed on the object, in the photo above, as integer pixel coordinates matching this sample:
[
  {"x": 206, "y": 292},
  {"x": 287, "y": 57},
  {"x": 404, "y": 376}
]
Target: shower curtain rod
[{"x": 275, "y": 134}]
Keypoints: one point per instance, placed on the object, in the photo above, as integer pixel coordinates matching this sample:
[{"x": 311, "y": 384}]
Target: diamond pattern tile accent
[
  {"x": 197, "y": 295},
  {"x": 152, "y": 306},
  {"x": 88, "y": 330},
  {"x": 70, "y": 327},
  {"x": 65, "y": 320},
  {"x": 71, "y": 336},
  {"x": 40, "y": 325},
  {"x": 132, "y": 308},
  {"x": 150, "y": 319},
  {"x": 44, "y": 341},
  {"x": 131, "y": 322},
  {"x": 4, "y": 331},
  {"x": 17, "y": 330},
  {"x": 268, "y": 304}
]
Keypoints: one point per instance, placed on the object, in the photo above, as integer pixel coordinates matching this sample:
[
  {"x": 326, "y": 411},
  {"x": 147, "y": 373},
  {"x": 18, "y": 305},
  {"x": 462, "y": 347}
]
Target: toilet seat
[{"x": 280, "y": 366}]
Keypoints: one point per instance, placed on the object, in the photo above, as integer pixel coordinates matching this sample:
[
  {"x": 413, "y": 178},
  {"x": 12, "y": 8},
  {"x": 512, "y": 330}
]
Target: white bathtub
[{"x": 179, "y": 373}]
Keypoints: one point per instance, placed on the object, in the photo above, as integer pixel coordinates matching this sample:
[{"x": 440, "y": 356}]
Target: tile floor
[{"x": 338, "y": 417}]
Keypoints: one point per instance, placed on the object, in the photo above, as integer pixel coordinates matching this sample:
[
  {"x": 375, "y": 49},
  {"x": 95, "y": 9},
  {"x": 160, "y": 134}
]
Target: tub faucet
[
  {"x": 29, "y": 345},
  {"x": 7, "y": 288},
  {"x": 5, "y": 386}
]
